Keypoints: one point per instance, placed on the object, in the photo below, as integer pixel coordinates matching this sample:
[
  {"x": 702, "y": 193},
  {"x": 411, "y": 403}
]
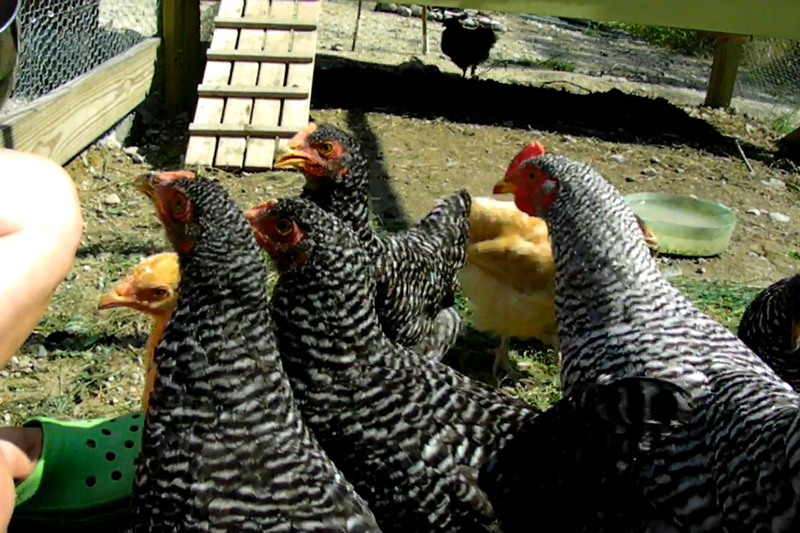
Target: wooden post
[
  {"x": 727, "y": 54},
  {"x": 355, "y": 31},
  {"x": 183, "y": 64},
  {"x": 424, "y": 29}
]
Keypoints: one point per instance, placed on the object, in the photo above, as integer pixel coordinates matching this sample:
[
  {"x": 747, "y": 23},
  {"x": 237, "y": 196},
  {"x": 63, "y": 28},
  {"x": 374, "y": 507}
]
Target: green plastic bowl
[{"x": 683, "y": 225}]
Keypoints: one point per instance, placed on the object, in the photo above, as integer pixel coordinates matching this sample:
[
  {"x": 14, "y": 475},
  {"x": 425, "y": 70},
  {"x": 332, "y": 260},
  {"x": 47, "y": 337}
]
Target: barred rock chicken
[
  {"x": 418, "y": 268},
  {"x": 408, "y": 431},
  {"x": 509, "y": 277},
  {"x": 590, "y": 441},
  {"x": 151, "y": 287},
  {"x": 466, "y": 47},
  {"x": 736, "y": 465},
  {"x": 225, "y": 448},
  {"x": 770, "y": 326}
]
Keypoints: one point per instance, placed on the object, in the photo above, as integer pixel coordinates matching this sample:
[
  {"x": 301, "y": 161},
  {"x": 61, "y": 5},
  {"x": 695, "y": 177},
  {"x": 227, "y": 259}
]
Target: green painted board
[{"x": 766, "y": 18}]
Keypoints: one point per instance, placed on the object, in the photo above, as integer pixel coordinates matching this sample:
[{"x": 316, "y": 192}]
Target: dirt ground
[{"x": 444, "y": 134}]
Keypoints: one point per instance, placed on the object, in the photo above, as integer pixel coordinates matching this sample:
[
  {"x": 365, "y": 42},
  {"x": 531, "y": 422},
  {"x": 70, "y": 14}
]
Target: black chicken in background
[{"x": 466, "y": 47}]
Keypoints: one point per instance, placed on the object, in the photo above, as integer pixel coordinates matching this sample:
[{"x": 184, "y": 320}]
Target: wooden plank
[
  {"x": 295, "y": 112},
  {"x": 245, "y": 91},
  {"x": 231, "y": 150},
  {"x": 62, "y": 123},
  {"x": 266, "y": 23},
  {"x": 267, "y": 112},
  {"x": 182, "y": 56},
  {"x": 241, "y": 130},
  {"x": 778, "y": 18},
  {"x": 264, "y": 56},
  {"x": 201, "y": 150},
  {"x": 721, "y": 82}
]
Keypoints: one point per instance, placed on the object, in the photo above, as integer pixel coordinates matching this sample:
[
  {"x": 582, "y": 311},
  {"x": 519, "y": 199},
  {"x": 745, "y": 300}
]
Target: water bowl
[{"x": 683, "y": 225}]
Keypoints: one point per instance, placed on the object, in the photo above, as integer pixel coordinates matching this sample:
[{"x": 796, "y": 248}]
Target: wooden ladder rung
[
  {"x": 264, "y": 23},
  {"x": 258, "y": 56},
  {"x": 250, "y": 91},
  {"x": 241, "y": 130}
]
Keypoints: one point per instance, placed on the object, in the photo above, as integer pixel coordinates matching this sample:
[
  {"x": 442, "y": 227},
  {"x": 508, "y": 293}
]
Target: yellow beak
[
  {"x": 292, "y": 159},
  {"x": 504, "y": 187},
  {"x": 114, "y": 299}
]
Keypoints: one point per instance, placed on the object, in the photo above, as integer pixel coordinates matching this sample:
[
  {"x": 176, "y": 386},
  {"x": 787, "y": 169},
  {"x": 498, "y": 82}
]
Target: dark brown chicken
[{"x": 464, "y": 46}]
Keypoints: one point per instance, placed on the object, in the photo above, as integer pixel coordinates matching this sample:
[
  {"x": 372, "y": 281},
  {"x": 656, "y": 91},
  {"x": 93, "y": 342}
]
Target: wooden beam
[
  {"x": 183, "y": 66},
  {"x": 62, "y": 123},
  {"x": 252, "y": 91},
  {"x": 259, "y": 56},
  {"x": 727, "y": 54},
  {"x": 264, "y": 23},
  {"x": 777, "y": 18},
  {"x": 241, "y": 130}
]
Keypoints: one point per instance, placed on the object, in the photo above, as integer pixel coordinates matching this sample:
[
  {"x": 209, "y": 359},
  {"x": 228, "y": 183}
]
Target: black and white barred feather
[
  {"x": 408, "y": 431},
  {"x": 418, "y": 268},
  {"x": 770, "y": 326},
  {"x": 225, "y": 448},
  {"x": 734, "y": 466}
]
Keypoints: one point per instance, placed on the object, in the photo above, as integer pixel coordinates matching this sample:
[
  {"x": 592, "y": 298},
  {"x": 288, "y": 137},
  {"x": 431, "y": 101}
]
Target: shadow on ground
[{"x": 426, "y": 93}]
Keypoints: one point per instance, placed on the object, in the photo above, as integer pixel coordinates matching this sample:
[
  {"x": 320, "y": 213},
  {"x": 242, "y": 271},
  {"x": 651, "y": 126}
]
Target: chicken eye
[
  {"x": 284, "y": 227},
  {"x": 153, "y": 294},
  {"x": 179, "y": 205},
  {"x": 159, "y": 293},
  {"x": 325, "y": 148}
]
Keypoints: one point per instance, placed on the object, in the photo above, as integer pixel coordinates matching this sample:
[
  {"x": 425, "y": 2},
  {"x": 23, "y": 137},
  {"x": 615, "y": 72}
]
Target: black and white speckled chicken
[
  {"x": 736, "y": 465},
  {"x": 466, "y": 47},
  {"x": 418, "y": 268},
  {"x": 408, "y": 431},
  {"x": 770, "y": 326},
  {"x": 589, "y": 444},
  {"x": 225, "y": 448}
]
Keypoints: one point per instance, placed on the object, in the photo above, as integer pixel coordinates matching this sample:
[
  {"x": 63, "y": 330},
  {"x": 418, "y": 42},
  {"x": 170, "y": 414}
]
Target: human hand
[{"x": 40, "y": 231}]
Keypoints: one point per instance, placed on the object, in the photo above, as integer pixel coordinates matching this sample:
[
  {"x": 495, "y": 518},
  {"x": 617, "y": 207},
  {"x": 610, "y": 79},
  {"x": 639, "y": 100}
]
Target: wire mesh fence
[
  {"x": 63, "y": 39},
  {"x": 770, "y": 72}
]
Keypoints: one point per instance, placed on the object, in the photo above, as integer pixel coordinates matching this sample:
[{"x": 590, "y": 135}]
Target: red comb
[
  {"x": 254, "y": 212},
  {"x": 169, "y": 175},
  {"x": 532, "y": 149},
  {"x": 300, "y": 137}
]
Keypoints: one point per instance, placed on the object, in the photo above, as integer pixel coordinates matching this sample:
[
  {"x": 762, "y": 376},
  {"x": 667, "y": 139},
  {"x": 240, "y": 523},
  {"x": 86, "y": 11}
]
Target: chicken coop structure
[
  {"x": 86, "y": 64},
  {"x": 255, "y": 91}
]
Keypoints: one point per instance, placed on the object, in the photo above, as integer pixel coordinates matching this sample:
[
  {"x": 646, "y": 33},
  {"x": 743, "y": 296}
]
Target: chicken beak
[
  {"x": 114, "y": 299},
  {"x": 292, "y": 158},
  {"x": 504, "y": 186},
  {"x": 144, "y": 184}
]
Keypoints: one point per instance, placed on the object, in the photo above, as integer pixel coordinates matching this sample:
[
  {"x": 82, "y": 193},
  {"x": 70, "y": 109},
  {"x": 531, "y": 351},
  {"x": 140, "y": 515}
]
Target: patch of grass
[
  {"x": 723, "y": 301},
  {"x": 794, "y": 254},
  {"x": 785, "y": 123}
]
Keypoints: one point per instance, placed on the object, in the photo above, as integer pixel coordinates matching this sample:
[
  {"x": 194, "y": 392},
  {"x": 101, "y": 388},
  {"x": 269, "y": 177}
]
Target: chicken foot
[{"x": 501, "y": 360}]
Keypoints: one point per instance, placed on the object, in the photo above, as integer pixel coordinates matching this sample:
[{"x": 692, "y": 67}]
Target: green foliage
[{"x": 687, "y": 42}]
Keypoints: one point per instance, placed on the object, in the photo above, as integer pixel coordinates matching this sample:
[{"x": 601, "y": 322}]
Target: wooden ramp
[{"x": 256, "y": 89}]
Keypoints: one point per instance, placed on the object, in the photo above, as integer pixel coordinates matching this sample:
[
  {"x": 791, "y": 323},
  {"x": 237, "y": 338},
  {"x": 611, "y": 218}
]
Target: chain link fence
[
  {"x": 770, "y": 73},
  {"x": 63, "y": 39}
]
